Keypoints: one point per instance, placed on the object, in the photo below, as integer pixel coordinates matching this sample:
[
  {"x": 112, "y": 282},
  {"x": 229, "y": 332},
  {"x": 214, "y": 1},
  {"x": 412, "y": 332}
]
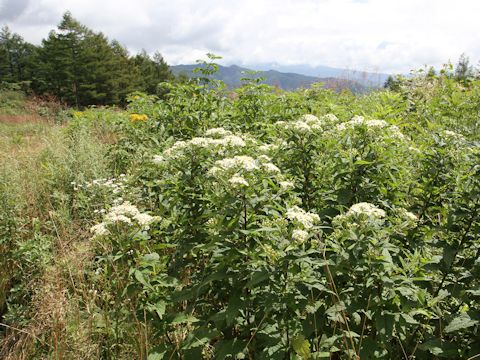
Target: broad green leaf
[
  {"x": 301, "y": 346},
  {"x": 463, "y": 321}
]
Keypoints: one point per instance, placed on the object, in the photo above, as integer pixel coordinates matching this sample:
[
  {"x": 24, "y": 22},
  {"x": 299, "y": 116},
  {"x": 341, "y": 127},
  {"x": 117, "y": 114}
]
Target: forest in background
[{"x": 78, "y": 66}]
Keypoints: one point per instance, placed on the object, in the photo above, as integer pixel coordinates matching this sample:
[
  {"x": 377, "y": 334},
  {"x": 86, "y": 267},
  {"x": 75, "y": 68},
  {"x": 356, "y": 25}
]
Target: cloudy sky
[{"x": 370, "y": 35}]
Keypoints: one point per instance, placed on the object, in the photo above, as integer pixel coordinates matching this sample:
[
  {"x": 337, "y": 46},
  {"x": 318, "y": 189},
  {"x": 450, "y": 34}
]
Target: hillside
[
  {"x": 365, "y": 78},
  {"x": 233, "y": 74}
]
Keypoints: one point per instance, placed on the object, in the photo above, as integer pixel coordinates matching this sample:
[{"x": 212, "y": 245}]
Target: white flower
[
  {"x": 267, "y": 147},
  {"x": 214, "y": 171},
  {"x": 144, "y": 219},
  {"x": 368, "y": 209},
  {"x": 301, "y": 126},
  {"x": 158, "y": 159},
  {"x": 245, "y": 162},
  {"x": 238, "y": 180},
  {"x": 179, "y": 147},
  {"x": 175, "y": 148},
  {"x": 376, "y": 123},
  {"x": 264, "y": 158},
  {"x": 396, "y": 133},
  {"x": 117, "y": 218},
  {"x": 99, "y": 230},
  {"x": 233, "y": 140},
  {"x": 303, "y": 217},
  {"x": 271, "y": 168},
  {"x": 124, "y": 209},
  {"x": 299, "y": 235},
  {"x": 285, "y": 185},
  {"x": 200, "y": 141},
  {"x": 407, "y": 215},
  {"x": 357, "y": 119},
  {"x": 330, "y": 118},
  {"x": 453, "y": 135},
  {"x": 124, "y": 213},
  {"x": 220, "y": 132},
  {"x": 309, "y": 117}
]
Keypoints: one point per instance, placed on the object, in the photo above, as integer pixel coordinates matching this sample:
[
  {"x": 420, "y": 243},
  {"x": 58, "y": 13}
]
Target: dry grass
[
  {"x": 33, "y": 158},
  {"x": 21, "y": 119}
]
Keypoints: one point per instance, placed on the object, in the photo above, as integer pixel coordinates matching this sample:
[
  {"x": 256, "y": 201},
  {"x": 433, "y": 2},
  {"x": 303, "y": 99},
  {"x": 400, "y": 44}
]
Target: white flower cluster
[
  {"x": 407, "y": 215},
  {"x": 380, "y": 124},
  {"x": 453, "y": 135},
  {"x": 125, "y": 213},
  {"x": 116, "y": 185},
  {"x": 267, "y": 147},
  {"x": 218, "y": 132},
  {"x": 302, "y": 217},
  {"x": 307, "y": 123},
  {"x": 361, "y": 210},
  {"x": 286, "y": 185},
  {"x": 368, "y": 209},
  {"x": 217, "y": 140},
  {"x": 300, "y": 236},
  {"x": 271, "y": 168},
  {"x": 243, "y": 162},
  {"x": 329, "y": 118},
  {"x": 238, "y": 168},
  {"x": 238, "y": 180}
]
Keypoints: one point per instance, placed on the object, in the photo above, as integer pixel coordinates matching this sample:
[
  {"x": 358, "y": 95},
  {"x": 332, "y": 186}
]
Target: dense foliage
[
  {"x": 299, "y": 225},
  {"x": 79, "y": 66}
]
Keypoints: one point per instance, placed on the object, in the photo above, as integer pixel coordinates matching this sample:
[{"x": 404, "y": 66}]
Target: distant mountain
[
  {"x": 232, "y": 75},
  {"x": 366, "y": 78}
]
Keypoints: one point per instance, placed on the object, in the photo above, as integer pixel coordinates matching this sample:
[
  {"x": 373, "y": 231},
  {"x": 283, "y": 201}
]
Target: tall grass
[{"x": 41, "y": 237}]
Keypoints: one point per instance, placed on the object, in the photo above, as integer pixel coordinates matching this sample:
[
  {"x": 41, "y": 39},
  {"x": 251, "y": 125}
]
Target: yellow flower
[
  {"x": 77, "y": 114},
  {"x": 138, "y": 117}
]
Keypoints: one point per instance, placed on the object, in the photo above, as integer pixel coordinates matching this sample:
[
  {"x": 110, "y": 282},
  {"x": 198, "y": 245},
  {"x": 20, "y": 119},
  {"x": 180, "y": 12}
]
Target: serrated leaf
[
  {"x": 151, "y": 257},
  {"x": 301, "y": 346},
  {"x": 140, "y": 278},
  {"x": 183, "y": 318},
  {"x": 462, "y": 321},
  {"x": 156, "y": 356}
]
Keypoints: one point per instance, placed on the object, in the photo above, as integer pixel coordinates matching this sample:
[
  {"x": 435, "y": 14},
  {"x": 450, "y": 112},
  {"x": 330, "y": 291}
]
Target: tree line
[
  {"x": 79, "y": 66},
  {"x": 463, "y": 72}
]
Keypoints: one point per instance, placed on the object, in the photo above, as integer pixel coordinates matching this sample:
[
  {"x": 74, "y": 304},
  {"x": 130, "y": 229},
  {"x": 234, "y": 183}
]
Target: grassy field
[{"x": 265, "y": 225}]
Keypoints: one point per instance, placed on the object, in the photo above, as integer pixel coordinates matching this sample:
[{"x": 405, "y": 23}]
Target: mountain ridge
[{"x": 233, "y": 74}]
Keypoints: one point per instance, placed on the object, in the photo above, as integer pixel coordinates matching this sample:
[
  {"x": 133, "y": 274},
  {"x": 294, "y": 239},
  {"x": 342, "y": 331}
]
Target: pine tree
[
  {"x": 463, "y": 70},
  {"x": 152, "y": 71},
  {"x": 16, "y": 57},
  {"x": 79, "y": 66}
]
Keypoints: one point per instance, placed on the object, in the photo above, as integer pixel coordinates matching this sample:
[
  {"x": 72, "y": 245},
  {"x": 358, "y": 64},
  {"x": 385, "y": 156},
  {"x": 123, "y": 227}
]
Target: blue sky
[{"x": 370, "y": 35}]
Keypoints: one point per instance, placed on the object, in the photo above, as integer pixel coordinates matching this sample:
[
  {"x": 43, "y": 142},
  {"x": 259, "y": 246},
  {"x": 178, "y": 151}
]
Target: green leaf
[
  {"x": 156, "y": 356},
  {"x": 159, "y": 308},
  {"x": 139, "y": 276},
  {"x": 301, "y": 346},
  {"x": 183, "y": 318},
  {"x": 448, "y": 255},
  {"x": 258, "y": 277},
  {"x": 462, "y": 321},
  {"x": 384, "y": 323},
  {"x": 432, "y": 346},
  {"x": 234, "y": 348},
  {"x": 321, "y": 355},
  {"x": 151, "y": 257}
]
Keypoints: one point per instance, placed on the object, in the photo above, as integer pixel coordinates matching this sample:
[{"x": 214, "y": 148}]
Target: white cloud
[{"x": 380, "y": 35}]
